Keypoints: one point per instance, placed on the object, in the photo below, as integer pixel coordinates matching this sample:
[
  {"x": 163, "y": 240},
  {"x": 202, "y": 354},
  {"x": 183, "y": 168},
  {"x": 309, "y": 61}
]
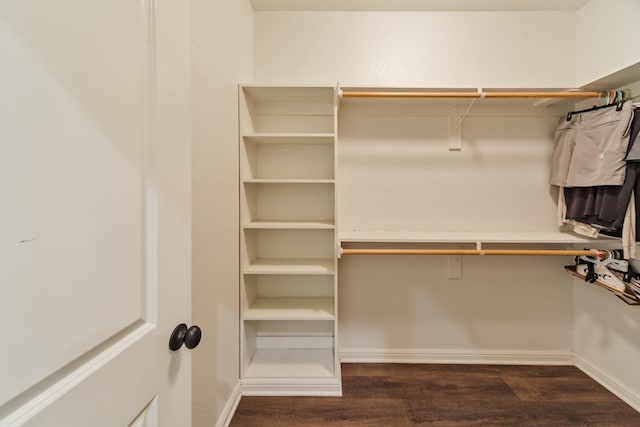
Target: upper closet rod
[
  {"x": 523, "y": 94},
  {"x": 571, "y": 252}
]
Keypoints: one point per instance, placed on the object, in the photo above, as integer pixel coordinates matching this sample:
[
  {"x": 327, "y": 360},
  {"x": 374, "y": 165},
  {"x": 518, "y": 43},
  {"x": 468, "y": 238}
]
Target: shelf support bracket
[
  {"x": 455, "y": 129},
  {"x": 455, "y": 123}
]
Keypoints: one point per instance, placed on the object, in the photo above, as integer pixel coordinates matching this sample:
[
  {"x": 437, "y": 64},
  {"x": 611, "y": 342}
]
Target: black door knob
[
  {"x": 181, "y": 335},
  {"x": 192, "y": 337}
]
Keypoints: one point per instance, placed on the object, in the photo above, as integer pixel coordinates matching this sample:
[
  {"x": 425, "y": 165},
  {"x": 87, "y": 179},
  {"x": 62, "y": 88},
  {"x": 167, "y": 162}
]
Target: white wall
[
  {"x": 489, "y": 49},
  {"x": 222, "y": 37},
  {"x": 607, "y": 34},
  {"x": 501, "y": 310},
  {"x": 395, "y": 172}
]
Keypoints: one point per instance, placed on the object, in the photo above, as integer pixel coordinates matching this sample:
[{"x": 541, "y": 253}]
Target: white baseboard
[
  {"x": 609, "y": 383},
  {"x": 289, "y": 387},
  {"x": 230, "y": 407},
  {"x": 498, "y": 357}
]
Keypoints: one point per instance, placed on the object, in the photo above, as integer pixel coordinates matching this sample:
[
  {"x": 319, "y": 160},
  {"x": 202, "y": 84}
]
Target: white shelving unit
[{"x": 288, "y": 240}]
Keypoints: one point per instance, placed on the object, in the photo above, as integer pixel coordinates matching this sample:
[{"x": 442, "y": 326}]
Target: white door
[{"x": 94, "y": 212}]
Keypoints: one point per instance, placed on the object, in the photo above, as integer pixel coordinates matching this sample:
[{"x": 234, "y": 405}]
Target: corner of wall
[
  {"x": 230, "y": 408},
  {"x": 222, "y": 37}
]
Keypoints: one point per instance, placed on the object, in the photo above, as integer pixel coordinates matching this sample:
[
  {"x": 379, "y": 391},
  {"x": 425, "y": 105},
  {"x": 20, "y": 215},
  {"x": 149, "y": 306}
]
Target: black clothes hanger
[{"x": 618, "y": 106}]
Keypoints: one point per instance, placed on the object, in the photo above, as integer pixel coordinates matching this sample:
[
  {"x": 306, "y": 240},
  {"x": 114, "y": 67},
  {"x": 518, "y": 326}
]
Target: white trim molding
[
  {"x": 230, "y": 408},
  {"x": 496, "y": 357},
  {"x": 292, "y": 387}
]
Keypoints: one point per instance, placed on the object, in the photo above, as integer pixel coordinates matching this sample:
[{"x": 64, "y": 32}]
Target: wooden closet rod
[
  {"x": 537, "y": 252},
  {"x": 565, "y": 94}
]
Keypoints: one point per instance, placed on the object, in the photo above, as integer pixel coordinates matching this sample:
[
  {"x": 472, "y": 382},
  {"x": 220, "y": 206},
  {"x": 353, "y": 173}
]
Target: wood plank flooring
[{"x": 447, "y": 395}]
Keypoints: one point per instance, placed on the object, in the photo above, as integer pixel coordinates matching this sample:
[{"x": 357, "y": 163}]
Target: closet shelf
[
  {"x": 290, "y": 266},
  {"x": 444, "y": 96},
  {"x": 531, "y": 97},
  {"x": 388, "y": 236},
  {"x": 289, "y": 138},
  {"x": 261, "y": 93},
  {"x": 291, "y": 308},
  {"x": 286, "y": 181},
  {"x": 288, "y": 225}
]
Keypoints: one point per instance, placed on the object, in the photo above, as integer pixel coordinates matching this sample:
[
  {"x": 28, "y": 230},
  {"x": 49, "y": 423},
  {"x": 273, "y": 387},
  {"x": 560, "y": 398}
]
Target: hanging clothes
[
  {"x": 589, "y": 158},
  {"x": 590, "y": 148},
  {"x": 633, "y": 162}
]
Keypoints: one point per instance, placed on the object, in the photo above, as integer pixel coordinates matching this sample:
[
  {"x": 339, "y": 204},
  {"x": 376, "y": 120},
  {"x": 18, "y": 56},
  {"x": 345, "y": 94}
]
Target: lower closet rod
[{"x": 571, "y": 252}]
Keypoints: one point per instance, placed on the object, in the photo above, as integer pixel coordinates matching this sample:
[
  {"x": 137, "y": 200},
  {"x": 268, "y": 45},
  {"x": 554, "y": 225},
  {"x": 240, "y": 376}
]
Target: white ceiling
[{"x": 418, "y": 5}]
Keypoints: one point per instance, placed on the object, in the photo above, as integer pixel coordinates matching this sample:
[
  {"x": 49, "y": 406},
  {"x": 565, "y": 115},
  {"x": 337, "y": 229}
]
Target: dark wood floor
[{"x": 447, "y": 395}]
